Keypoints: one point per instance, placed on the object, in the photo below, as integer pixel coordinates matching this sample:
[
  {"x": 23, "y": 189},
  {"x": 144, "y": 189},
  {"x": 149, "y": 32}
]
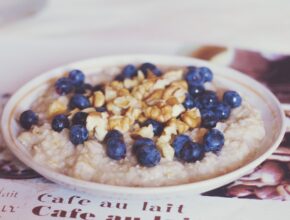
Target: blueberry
[
  {"x": 63, "y": 86},
  {"x": 145, "y": 67},
  {"x": 113, "y": 134},
  {"x": 206, "y": 74},
  {"x": 196, "y": 90},
  {"x": 148, "y": 156},
  {"x": 80, "y": 118},
  {"x": 179, "y": 142},
  {"x": 79, "y": 101},
  {"x": 99, "y": 87},
  {"x": 191, "y": 152},
  {"x": 59, "y": 122},
  {"x": 129, "y": 71},
  {"x": 232, "y": 98},
  {"x": 196, "y": 103},
  {"x": 77, "y": 77},
  {"x": 191, "y": 102},
  {"x": 191, "y": 68},
  {"x": 193, "y": 77},
  {"x": 101, "y": 109},
  {"x": 188, "y": 102},
  {"x": 116, "y": 148},
  {"x": 78, "y": 134},
  {"x": 208, "y": 99},
  {"x": 83, "y": 88},
  {"x": 157, "y": 126},
  {"x": 222, "y": 111},
  {"x": 119, "y": 77},
  {"x": 27, "y": 119},
  {"x": 213, "y": 140},
  {"x": 142, "y": 142},
  {"x": 208, "y": 118}
]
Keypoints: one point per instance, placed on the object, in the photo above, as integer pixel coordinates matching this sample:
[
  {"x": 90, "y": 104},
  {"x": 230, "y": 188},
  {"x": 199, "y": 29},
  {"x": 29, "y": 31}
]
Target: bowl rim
[{"x": 93, "y": 186}]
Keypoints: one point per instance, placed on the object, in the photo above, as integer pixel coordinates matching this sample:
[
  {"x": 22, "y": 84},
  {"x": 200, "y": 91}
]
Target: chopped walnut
[
  {"x": 121, "y": 123},
  {"x": 146, "y": 132},
  {"x": 110, "y": 93},
  {"x": 98, "y": 99},
  {"x": 192, "y": 118},
  {"x": 180, "y": 125},
  {"x": 96, "y": 124},
  {"x": 116, "y": 85},
  {"x": 130, "y": 83},
  {"x": 56, "y": 107},
  {"x": 114, "y": 109}
]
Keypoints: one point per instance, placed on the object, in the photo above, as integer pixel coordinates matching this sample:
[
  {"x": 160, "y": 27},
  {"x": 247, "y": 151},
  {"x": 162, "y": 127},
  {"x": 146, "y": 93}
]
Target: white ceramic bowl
[{"x": 259, "y": 96}]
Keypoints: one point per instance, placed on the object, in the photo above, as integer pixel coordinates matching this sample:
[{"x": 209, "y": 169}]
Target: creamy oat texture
[{"x": 243, "y": 131}]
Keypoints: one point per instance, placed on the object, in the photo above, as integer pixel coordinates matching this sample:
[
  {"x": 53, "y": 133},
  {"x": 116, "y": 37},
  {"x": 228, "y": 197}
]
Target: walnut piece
[{"x": 192, "y": 118}]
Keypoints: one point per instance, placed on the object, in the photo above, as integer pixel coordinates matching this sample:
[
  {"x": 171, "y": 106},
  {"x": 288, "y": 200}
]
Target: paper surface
[{"x": 40, "y": 201}]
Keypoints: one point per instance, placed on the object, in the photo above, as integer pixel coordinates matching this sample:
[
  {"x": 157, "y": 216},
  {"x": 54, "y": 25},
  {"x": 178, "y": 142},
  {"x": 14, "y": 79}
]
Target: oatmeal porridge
[{"x": 141, "y": 125}]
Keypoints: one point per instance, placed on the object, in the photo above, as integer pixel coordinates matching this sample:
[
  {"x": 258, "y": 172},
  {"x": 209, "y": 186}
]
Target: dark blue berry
[
  {"x": 142, "y": 142},
  {"x": 190, "y": 102},
  {"x": 213, "y": 141},
  {"x": 113, "y": 134},
  {"x": 83, "y": 88},
  {"x": 119, "y": 77},
  {"x": 27, "y": 119},
  {"x": 232, "y": 98},
  {"x": 191, "y": 68},
  {"x": 116, "y": 148},
  {"x": 145, "y": 67},
  {"x": 193, "y": 77},
  {"x": 59, "y": 122},
  {"x": 206, "y": 74},
  {"x": 78, "y": 134},
  {"x": 129, "y": 71},
  {"x": 208, "y": 99},
  {"x": 80, "y": 118},
  {"x": 196, "y": 103},
  {"x": 191, "y": 152},
  {"x": 101, "y": 109},
  {"x": 77, "y": 77},
  {"x": 196, "y": 90},
  {"x": 148, "y": 156},
  {"x": 157, "y": 126},
  {"x": 208, "y": 118},
  {"x": 79, "y": 101},
  {"x": 63, "y": 86},
  {"x": 98, "y": 87},
  {"x": 179, "y": 142},
  {"x": 222, "y": 111}
]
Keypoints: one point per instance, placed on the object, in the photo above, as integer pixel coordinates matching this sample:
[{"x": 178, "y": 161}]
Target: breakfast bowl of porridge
[{"x": 143, "y": 125}]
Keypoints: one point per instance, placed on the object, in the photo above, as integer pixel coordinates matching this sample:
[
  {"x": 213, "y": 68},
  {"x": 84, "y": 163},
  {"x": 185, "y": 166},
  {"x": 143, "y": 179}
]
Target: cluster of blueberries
[
  {"x": 189, "y": 151},
  {"x": 130, "y": 71},
  {"x": 144, "y": 149},
  {"x": 75, "y": 82},
  {"x": 212, "y": 110}
]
